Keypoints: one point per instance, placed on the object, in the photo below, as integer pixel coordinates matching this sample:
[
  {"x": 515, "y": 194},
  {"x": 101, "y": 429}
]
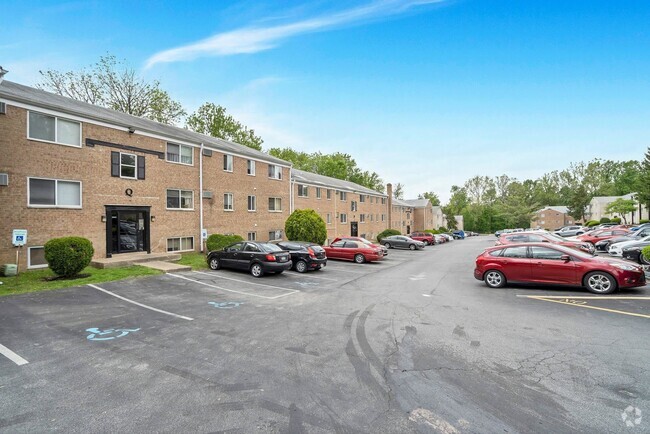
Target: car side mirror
[{"x": 565, "y": 258}]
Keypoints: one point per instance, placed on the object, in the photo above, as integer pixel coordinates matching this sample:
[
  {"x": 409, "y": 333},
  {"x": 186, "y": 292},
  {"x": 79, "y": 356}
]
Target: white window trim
[
  {"x": 232, "y": 202},
  {"x": 135, "y": 166},
  {"x": 248, "y": 165},
  {"x": 319, "y": 193},
  {"x": 29, "y": 258},
  {"x": 305, "y": 189},
  {"x": 345, "y": 193},
  {"x": 328, "y": 194},
  {"x": 180, "y": 190},
  {"x": 56, "y": 129},
  {"x": 278, "y": 172},
  {"x": 229, "y": 159},
  {"x": 248, "y": 203},
  {"x": 276, "y": 210},
  {"x": 179, "y": 154},
  {"x": 254, "y": 236},
  {"x": 56, "y": 194},
  {"x": 180, "y": 243},
  {"x": 341, "y": 218},
  {"x": 328, "y": 219}
]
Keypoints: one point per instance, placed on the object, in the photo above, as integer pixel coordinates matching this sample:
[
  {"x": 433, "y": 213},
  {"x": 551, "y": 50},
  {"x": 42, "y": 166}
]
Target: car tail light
[
  {"x": 270, "y": 258},
  {"x": 311, "y": 252}
]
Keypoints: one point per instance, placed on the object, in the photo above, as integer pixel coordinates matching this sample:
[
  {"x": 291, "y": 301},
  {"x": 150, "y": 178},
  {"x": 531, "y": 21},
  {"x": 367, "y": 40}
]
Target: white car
[{"x": 616, "y": 249}]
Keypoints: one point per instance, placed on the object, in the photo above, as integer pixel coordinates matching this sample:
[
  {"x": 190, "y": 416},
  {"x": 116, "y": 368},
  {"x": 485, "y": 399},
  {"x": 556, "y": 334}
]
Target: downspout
[
  {"x": 201, "y": 197},
  {"x": 291, "y": 190}
]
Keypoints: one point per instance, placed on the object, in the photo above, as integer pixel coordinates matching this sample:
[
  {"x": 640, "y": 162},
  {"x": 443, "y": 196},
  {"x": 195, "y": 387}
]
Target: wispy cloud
[{"x": 254, "y": 39}]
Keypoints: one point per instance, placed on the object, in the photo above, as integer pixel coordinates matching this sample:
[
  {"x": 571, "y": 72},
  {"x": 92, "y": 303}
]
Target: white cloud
[{"x": 254, "y": 39}]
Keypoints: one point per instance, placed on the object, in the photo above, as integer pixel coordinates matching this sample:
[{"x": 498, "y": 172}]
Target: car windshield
[
  {"x": 270, "y": 248},
  {"x": 555, "y": 237},
  {"x": 364, "y": 241}
]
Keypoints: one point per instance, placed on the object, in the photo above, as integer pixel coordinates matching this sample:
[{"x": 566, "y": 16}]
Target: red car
[
  {"x": 553, "y": 264},
  {"x": 353, "y": 251},
  {"x": 425, "y": 237},
  {"x": 603, "y": 234},
  {"x": 543, "y": 237},
  {"x": 364, "y": 241}
]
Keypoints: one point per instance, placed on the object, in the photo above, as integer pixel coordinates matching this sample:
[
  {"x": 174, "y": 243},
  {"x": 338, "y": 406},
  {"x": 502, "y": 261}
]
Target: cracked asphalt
[{"x": 411, "y": 344}]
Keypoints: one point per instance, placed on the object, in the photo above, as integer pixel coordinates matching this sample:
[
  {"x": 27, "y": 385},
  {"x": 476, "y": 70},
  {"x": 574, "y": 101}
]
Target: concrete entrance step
[
  {"x": 166, "y": 267},
  {"x": 138, "y": 258}
]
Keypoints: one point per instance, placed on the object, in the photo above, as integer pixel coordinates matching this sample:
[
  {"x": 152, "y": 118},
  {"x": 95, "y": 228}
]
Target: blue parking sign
[{"x": 19, "y": 237}]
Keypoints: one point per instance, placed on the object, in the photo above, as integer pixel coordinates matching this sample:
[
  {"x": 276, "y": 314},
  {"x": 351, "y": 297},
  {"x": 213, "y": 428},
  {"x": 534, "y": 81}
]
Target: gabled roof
[
  {"x": 418, "y": 203},
  {"x": 40, "y": 98},
  {"x": 401, "y": 202},
  {"x": 559, "y": 208},
  {"x": 326, "y": 181}
]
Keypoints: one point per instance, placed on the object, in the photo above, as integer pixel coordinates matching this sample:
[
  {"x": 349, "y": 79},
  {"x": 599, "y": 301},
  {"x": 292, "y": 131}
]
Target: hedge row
[{"x": 219, "y": 241}]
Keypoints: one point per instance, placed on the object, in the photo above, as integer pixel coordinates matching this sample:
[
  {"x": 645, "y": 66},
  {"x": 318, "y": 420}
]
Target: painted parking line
[
  {"x": 308, "y": 276},
  {"x": 590, "y": 297},
  {"x": 289, "y": 291},
  {"x": 221, "y": 276},
  {"x": 12, "y": 356},
  {"x": 140, "y": 304},
  {"x": 576, "y": 302}
]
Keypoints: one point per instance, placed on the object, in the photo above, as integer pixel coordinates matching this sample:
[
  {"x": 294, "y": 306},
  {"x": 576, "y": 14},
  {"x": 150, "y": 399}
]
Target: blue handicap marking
[
  {"x": 225, "y": 304},
  {"x": 108, "y": 334}
]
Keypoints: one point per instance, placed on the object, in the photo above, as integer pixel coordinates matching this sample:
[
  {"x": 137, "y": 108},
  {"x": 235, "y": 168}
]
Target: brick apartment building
[
  {"x": 423, "y": 217},
  {"x": 551, "y": 218}
]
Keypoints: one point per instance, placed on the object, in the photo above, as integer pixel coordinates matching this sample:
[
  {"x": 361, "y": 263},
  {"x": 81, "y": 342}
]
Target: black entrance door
[
  {"x": 354, "y": 229},
  {"x": 408, "y": 229},
  {"x": 127, "y": 230}
]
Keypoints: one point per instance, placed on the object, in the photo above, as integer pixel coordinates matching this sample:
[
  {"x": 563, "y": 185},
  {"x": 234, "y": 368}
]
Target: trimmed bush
[
  {"x": 431, "y": 231},
  {"x": 387, "y": 233},
  {"x": 442, "y": 230},
  {"x": 646, "y": 253},
  {"x": 306, "y": 225},
  {"x": 592, "y": 223},
  {"x": 605, "y": 220},
  {"x": 219, "y": 241},
  {"x": 616, "y": 220},
  {"x": 67, "y": 256},
  {"x": 642, "y": 221}
]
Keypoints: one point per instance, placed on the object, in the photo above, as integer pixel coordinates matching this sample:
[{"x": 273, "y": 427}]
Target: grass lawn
[
  {"x": 34, "y": 280},
  {"x": 196, "y": 260}
]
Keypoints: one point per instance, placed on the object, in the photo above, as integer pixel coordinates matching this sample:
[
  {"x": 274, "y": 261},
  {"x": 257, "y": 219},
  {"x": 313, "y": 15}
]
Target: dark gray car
[{"x": 401, "y": 241}]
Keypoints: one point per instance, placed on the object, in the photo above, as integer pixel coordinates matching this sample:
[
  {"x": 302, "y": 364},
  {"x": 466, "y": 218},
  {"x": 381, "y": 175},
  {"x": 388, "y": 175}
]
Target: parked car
[
  {"x": 634, "y": 253},
  {"x": 425, "y": 237},
  {"x": 459, "y": 234},
  {"x": 353, "y": 251},
  {"x": 616, "y": 249},
  {"x": 603, "y": 234},
  {"x": 553, "y": 264},
  {"x": 256, "y": 257},
  {"x": 501, "y": 232},
  {"x": 439, "y": 239},
  {"x": 570, "y": 231},
  {"x": 543, "y": 237},
  {"x": 402, "y": 241},
  {"x": 604, "y": 245},
  {"x": 305, "y": 256},
  {"x": 364, "y": 241},
  {"x": 639, "y": 227},
  {"x": 448, "y": 237}
]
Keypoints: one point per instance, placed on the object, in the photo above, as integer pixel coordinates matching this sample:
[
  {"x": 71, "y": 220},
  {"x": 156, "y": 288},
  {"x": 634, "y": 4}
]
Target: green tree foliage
[
  {"x": 577, "y": 201},
  {"x": 67, "y": 256},
  {"x": 643, "y": 182},
  {"x": 387, "y": 233},
  {"x": 306, "y": 225},
  {"x": 110, "y": 83},
  {"x": 219, "y": 241},
  {"x": 621, "y": 207},
  {"x": 398, "y": 191},
  {"x": 212, "y": 120},
  {"x": 645, "y": 252},
  {"x": 433, "y": 198}
]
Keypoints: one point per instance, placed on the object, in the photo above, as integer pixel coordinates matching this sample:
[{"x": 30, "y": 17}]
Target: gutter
[{"x": 201, "y": 196}]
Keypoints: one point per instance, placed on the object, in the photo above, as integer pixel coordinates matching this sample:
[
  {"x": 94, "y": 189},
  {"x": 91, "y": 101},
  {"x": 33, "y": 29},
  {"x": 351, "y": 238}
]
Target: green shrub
[
  {"x": 616, "y": 220},
  {"x": 442, "y": 230},
  {"x": 387, "y": 233},
  {"x": 644, "y": 221},
  {"x": 646, "y": 253},
  {"x": 431, "y": 231},
  {"x": 219, "y": 241},
  {"x": 605, "y": 220},
  {"x": 306, "y": 225},
  {"x": 67, "y": 256},
  {"x": 592, "y": 223}
]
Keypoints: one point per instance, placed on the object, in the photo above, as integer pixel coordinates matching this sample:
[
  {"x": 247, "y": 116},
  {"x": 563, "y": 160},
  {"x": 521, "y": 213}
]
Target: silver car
[{"x": 403, "y": 242}]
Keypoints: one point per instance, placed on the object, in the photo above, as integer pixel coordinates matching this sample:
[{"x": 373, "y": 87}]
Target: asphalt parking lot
[{"x": 410, "y": 344}]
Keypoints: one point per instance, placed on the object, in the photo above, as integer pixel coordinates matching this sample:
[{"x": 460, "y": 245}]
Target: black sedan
[
  {"x": 633, "y": 253},
  {"x": 304, "y": 255},
  {"x": 258, "y": 258}
]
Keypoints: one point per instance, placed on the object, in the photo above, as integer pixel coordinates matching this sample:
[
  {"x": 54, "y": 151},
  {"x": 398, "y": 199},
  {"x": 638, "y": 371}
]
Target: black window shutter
[
  {"x": 140, "y": 167},
  {"x": 115, "y": 163}
]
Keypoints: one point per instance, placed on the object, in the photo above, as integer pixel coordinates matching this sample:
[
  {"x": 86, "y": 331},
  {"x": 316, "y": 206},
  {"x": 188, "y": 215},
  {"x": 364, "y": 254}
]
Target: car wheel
[
  {"x": 301, "y": 266},
  {"x": 256, "y": 270},
  {"x": 359, "y": 258},
  {"x": 412, "y": 246},
  {"x": 600, "y": 282},
  {"x": 643, "y": 259},
  {"x": 494, "y": 279},
  {"x": 214, "y": 264},
  {"x": 387, "y": 245}
]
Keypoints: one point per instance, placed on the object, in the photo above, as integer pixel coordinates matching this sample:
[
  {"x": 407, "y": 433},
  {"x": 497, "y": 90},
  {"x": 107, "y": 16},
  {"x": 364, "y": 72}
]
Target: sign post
[{"x": 18, "y": 239}]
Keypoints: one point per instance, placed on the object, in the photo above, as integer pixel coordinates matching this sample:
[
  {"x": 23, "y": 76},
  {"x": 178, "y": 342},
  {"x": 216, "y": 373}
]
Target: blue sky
[{"x": 425, "y": 93}]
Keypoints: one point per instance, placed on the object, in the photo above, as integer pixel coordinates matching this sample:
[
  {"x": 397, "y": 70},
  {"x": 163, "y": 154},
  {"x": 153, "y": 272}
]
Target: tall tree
[
  {"x": 577, "y": 202},
  {"x": 622, "y": 207},
  {"x": 212, "y": 120},
  {"x": 114, "y": 85},
  {"x": 398, "y": 191},
  {"x": 643, "y": 182},
  {"x": 433, "y": 198}
]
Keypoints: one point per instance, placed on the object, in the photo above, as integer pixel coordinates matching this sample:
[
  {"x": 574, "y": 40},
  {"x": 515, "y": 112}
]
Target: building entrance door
[
  {"x": 354, "y": 229},
  {"x": 127, "y": 230}
]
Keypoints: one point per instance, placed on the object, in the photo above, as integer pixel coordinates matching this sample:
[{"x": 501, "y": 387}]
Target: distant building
[
  {"x": 552, "y": 217},
  {"x": 422, "y": 214},
  {"x": 597, "y": 209}
]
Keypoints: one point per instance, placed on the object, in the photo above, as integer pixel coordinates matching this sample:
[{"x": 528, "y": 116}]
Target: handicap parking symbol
[
  {"x": 225, "y": 304},
  {"x": 108, "y": 334}
]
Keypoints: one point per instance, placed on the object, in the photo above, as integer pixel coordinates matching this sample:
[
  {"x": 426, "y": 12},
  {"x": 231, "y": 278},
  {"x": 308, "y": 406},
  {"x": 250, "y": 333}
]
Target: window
[
  {"x": 251, "y": 248},
  {"x": 344, "y": 218},
  {"x": 180, "y": 199},
  {"x": 252, "y": 236},
  {"x": 546, "y": 253},
  {"x": 275, "y": 204},
  {"x": 303, "y": 190},
  {"x": 252, "y": 205},
  {"x": 180, "y": 244},
  {"x": 383, "y": 201},
  {"x": 329, "y": 218},
  {"x": 275, "y": 235},
  {"x": 54, "y": 129},
  {"x": 343, "y": 195},
  {"x": 127, "y": 165},
  {"x": 353, "y": 205},
  {"x": 275, "y": 172},
  {"x": 372, "y": 217},
  {"x": 36, "y": 257},
  {"x": 543, "y": 215},
  {"x": 227, "y": 163},
  {"x": 54, "y": 193},
  {"x": 362, "y": 198},
  {"x": 362, "y": 218},
  {"x": 250, "y": 168},
  {"x": 180, "y": 154},
  {"x": 228, "y": 202},
  {"x": 318, "y": 193},
  {"x": 351, "y": 245},
  {"x": 329, "y": 194},
  {"x": 383, "y": 217},
  {"x": 338, "y": 244},
  {"x": 515, "y": 252}
]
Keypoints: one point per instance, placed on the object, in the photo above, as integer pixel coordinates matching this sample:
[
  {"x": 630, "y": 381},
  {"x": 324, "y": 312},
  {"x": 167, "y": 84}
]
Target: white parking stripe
[
  {"x": 308, "y": 276},
  {"x": 293, "y": 291},
  {"x": 140, "y": 304},
  {"x": 221, "y": 276},
  {"x": 12, "y": 356}
]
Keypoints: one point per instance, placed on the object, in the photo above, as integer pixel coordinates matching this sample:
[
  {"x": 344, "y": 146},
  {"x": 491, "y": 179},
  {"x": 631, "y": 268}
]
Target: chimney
[
  {"x": 2, "y": 73},
  {"x": 389, "y": 192}
]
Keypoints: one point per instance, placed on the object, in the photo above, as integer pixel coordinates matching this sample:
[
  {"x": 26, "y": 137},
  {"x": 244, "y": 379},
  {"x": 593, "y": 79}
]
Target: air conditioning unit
[
  {"x": 207, "y": 194},
  {"x": 207, "y": 152},
  {"x": 4, "y": 179},
  {"x": 3, "y": 108}
]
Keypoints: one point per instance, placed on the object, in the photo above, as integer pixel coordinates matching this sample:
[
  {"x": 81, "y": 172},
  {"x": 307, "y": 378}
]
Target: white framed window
[
  {"x": 227, "y": 163},
  {"x": 543, "y": 215},
  {"x": 353, "y": 205},
  {"x": 250, "y": 169},
  {"x": 228, "y": 202},
  {"x": 329, "y": 194},
  {"x": 343, "y": 217},
  {"x": 319, "y": 194},
  {"x": 303, "y": 190},
  {"x": 275, "y": 204},
  {"x": 383, "y": 217},
  {"x": 180, "y": 199},
  {"x": 362, "y": 218},
  {"x": 53, "y": 193},
  {"x": 252, "y": 204},
  {"x": 275, "y": 235},
  {"x": 372, "y": 216},
  {"x": 343, "y": 195},
  {"x": 275, "y": 172},
  {"x": 329, "y": 218},
  {"x": 362, "y": 198},
  {"x": 128, "y": 165},
  {"x": 180, "y": 154},
  {"x": 252, "y": 236},
  {"x": 53, "y": 129},
  {"x": 180, "y": 244},
  {"x": 36, "y": 257},
  {"x": 383, "y": 201}
]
